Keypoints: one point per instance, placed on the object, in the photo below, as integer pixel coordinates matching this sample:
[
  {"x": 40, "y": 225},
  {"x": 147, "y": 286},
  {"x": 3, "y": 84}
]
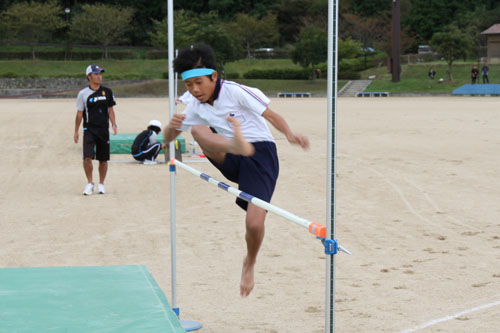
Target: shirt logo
[{"x": 96, "y": 99}]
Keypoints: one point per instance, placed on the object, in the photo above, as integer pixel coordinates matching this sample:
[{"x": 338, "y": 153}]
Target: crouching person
[{"x": 145, "y": 148}]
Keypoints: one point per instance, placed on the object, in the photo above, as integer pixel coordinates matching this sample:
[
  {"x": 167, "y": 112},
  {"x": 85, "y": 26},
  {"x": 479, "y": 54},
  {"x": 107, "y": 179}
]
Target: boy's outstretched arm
[
  {"x": 281, "y": 125},
  {"x": 171, "y": 131}
]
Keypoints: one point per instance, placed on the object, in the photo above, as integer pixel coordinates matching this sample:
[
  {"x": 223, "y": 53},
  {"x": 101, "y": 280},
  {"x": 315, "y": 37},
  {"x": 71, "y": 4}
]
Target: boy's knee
[
  {"x": 255, "y": 224},
  {"x": 254, "y": 231}
]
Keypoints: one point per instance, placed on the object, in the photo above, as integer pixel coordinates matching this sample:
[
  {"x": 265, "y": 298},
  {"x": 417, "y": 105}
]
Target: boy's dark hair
[{"x": 195, "y": 56}]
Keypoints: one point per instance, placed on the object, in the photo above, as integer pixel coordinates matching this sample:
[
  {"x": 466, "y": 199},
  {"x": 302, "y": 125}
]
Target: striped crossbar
[{"x": 313, "y": 227}]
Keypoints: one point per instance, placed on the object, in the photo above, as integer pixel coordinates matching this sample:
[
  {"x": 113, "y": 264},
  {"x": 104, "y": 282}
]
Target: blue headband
[{"x": 196, "y": 72}]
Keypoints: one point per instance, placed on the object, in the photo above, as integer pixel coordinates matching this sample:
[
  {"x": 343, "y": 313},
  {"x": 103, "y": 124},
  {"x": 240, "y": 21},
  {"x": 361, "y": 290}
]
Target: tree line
[
  {"x": 237, "y": 27},
  {"x": 420, "y": 18},
  {"x": 233, "y": 28}
]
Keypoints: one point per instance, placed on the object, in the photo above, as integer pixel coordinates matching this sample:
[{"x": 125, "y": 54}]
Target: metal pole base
[{"x": 190, "y": 325}]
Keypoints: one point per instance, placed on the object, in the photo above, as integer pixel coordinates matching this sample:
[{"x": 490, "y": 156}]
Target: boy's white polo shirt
[{"x": 243, "y": 103}]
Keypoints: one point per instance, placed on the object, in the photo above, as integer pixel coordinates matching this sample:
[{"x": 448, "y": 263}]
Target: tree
[
  {"x": 226, "y": 48},
  {"x": 253, "y": 32},
  {"x": 427, "y": 17},
  {"x": 318, "y": 14},
  {"x": 102, "y": 25},
  {"x": 348, "y": 48},
  {"x": 451, "y": 44},
  {"x": 369, "y": 7},
  {"x": 186, "y": 26},
  {"x": 368, "y": 30},
  {"x": 311, "y": 47},
  {"x": 190, "y": 29},
  {"x": 145, "y": 11},
  {"x": 31, "y": 22},
  {"x": 227, "y": 9},
  {"x": 290, "y": 17}
]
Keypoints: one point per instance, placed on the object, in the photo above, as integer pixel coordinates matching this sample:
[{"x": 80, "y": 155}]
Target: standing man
[
  {"x": 95, "y": 106},
  {"x": 474, "y": 74},
  {"x": 485, "y": 70}
]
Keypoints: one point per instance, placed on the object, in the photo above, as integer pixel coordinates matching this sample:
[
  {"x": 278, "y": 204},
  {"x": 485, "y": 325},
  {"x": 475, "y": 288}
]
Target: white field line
[{"x": 453, "y": 316}]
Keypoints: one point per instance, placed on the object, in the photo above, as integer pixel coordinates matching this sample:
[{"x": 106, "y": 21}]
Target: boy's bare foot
[
  {"x": 247, "y": 281},
  {"x": 240, "y": 146}
]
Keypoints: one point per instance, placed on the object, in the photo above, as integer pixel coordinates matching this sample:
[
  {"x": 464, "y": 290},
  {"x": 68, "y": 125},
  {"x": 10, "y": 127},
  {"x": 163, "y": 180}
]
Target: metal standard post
[
  {"x": 66, "y": 53},
  {"x": 188, "y": 325},
  {"x": 396, "y": 36},
  {"x": 171, "y": 150},
  {"x": 331, "y": 153},
  {"x": 176, "y": 94}
]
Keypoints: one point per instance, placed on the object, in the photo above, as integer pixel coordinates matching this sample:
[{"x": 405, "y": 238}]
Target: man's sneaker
[
  {"x": 89, "y": 189},
  {"x": 150, "y": 162},
  {"x": 101, "y": 189}
]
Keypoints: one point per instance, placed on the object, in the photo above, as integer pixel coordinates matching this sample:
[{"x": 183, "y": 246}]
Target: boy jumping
[{"x": 228, "y": 120}]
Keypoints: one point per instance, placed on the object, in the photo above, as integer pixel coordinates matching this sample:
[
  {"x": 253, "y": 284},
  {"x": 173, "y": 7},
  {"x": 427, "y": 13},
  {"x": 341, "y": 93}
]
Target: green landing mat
[
  {"x": 83, "y": 299},
  {"x": 122, "y": 142}
]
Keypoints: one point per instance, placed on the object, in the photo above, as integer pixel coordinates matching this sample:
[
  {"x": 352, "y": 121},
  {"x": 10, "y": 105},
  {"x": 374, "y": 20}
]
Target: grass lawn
[
  {"x": 115, "y": 69},
  {"x": 155, "y": 70},
  {"x": 269, "y": 87},
  {"x": 414, "y": 78},
  {"x": 122, "y": 69},
  {"x": 244, "y": 65}
]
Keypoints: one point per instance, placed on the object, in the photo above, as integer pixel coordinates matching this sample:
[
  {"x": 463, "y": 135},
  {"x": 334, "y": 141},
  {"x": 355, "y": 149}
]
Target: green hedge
[
  {"x": 228, "y": 76},
  {"x": 278, "y": 74},
  {"x": 349, "y": 75},
  {"x": 232, "y": 76},
  {"x": 8, "y": 75},
  {"x": 157, "y": 54},
  {"x": 60, "y": 55}
]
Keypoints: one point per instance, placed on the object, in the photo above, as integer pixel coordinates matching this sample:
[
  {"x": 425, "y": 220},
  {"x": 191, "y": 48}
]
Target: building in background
[{"x": 493, "y": 36}]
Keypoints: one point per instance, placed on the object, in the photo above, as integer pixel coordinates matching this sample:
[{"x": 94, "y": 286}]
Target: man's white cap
[
  {"x": 156, "y": 123},
  {"x": 95, "y": 69}
]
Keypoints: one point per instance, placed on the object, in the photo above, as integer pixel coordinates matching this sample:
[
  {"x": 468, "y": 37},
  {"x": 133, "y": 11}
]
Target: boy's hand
[
  {"x": 176, "y": 121},
  {"x": 298, "y": 140}
]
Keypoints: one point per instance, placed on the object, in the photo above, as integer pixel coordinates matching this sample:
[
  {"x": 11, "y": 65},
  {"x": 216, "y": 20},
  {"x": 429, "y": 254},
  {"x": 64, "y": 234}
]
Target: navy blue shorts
[{"x": 256, "y": 174}]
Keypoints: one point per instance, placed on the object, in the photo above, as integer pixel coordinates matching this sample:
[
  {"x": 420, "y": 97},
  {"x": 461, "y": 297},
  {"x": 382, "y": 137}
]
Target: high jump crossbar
[{"x": 314, "y": 228}]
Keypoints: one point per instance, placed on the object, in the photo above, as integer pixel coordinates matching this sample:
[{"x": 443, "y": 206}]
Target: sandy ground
[{"x": 417, "y": 203}]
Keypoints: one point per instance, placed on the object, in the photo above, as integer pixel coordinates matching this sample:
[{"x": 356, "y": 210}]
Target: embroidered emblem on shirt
[{"x": 238, "y": 116}]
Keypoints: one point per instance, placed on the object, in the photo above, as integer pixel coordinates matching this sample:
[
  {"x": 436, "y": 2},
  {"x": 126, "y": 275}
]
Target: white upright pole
[
  {"x": 188, "y": 325},
  {"x": 171, "y": 147},
  {"x": 331, "y": 153},
  {"x": 176, "y": 94}
]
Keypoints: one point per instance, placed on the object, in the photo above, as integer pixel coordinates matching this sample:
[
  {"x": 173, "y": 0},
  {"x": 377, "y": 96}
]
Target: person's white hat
[
  {"x": 156, "y": 123},
  {"x": 95, "y": 69}
]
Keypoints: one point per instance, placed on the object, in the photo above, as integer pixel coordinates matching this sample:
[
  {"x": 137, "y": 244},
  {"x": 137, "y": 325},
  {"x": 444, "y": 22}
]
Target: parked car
[
  {"x": 265, "y": 49},
  {"x": 367, "y": 49},
  {"x": 263, "y": 52},
  {"x": 424, "y": 49}
]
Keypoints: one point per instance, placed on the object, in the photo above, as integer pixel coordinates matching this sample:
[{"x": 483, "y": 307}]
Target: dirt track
[{"x": 417, "y": 204}]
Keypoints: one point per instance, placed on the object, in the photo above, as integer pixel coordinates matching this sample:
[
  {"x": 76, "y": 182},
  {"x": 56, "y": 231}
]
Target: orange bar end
[{"x": 317, "y": 229}]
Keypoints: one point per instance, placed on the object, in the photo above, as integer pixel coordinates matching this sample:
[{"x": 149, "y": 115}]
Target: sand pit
[{"x": 417, "y": 203}]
